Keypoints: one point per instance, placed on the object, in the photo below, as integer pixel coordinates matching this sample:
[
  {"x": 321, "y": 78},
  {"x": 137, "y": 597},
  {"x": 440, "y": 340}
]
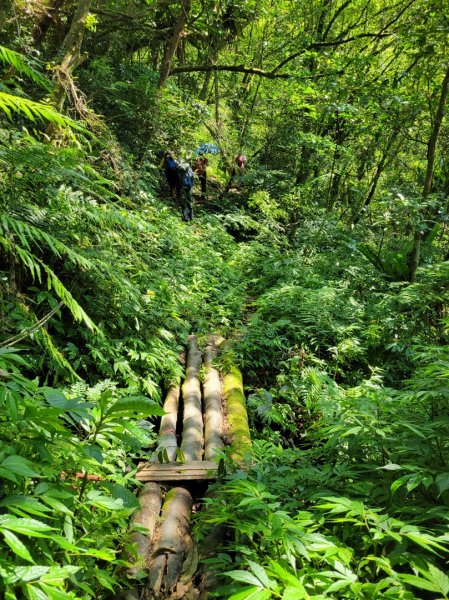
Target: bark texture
[
  {"x": 173, "y": 43},
  {"x": 167, "y": 431},
  {"x": 192, "y": 431},
  {"x": 213, "y": 419},
  {"x": 150, "y": 499},
  {"x": 171, "y": 548},
  {"x": 72, "y": 56},
  {"x": 238, "y": 428},
  {"x": 431, "y": 154}
]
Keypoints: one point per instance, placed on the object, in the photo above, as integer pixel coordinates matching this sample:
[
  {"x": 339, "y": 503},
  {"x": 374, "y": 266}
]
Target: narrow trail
[{"x": 201, "y": 418}]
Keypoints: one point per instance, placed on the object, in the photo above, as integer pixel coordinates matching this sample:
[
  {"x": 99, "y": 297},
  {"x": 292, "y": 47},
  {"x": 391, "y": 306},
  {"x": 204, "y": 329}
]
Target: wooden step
[{"x": 177, "y": 471}]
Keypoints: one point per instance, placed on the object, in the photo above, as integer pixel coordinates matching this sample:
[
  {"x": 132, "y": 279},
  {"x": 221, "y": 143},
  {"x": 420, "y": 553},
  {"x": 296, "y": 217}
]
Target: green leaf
[
  {"x": 30, "y": 573},
  {"x": 103, "y": 554},
  {"x": 56, "y": 504},
  {"x": 137, "y": 404},
  {"x": 419, "y": 582},
  {"x": 120, "y": 491},
  {"x": 19, "y": 466},
  {"x": 17, "y": 546},
  {"x": 54, "y": 593},
  {"x": 68, "y": 529},
  {"x": 30, "y": 527},
  {"x": 440, "y": 579},
  {"x": 293, "y": 593},
  {"x": 251, "y": 593},
  {"x": 96, "y": 498},
  {"x": 442, "y": 482},
  {"x": 261, "y": 574},
  {"x": 35, "y": 593},
  {"x": 245, "y": 577},
  {"x": 93, "y": 451},
  {"x": 55, "y": 398},
  {"x": 26, "y": 503}
]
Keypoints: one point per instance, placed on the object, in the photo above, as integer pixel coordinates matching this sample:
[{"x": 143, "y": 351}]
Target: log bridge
[{"x": 166, "y": 558}]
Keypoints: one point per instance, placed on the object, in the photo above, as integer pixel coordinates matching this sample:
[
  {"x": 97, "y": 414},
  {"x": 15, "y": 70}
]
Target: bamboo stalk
[
  {"x": 192, "y": 431},
  {"x": 171, "y": 548},
  {"x": 150, "y": 499},
  {"x": 238, "y": 428},
  {"x": 167, "y": 432},
  {"x": 213, "y": 418}
]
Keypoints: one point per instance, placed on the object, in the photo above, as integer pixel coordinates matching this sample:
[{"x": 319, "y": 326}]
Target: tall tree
[{"x": 431, "y": 155}]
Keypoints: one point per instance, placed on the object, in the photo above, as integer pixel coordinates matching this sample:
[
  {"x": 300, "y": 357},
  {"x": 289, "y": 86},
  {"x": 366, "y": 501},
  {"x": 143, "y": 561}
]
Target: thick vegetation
[{"x": 324, "y": 264}]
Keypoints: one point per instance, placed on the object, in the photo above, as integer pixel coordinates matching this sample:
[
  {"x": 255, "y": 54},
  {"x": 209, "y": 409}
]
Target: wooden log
[
  {"x": 167, "y": 432},
  {"x": 171, "y": 548},
  {"x": 213, "y": 418},
  {"x": 192, "y": 432},
  {"x": 150, "y": 500},
  {"x": 238, "y": 428},
  {"x": 176, "y": 471}
]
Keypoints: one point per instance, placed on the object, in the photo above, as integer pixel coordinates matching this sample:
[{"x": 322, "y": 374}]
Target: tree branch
[
  {"x": 231, "y": 68},
  {"x": 317, "y": 45}
]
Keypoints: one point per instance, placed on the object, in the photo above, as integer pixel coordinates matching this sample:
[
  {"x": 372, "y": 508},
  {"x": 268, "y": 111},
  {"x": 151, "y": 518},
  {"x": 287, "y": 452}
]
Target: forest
[{"x": 324, "y": 264}]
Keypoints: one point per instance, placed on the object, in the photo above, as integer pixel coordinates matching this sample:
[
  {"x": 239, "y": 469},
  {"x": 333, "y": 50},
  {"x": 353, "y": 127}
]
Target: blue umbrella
[{"x": 207, "y": 149}]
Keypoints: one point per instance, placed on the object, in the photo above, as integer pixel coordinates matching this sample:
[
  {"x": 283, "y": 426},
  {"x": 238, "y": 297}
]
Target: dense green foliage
[{"x": 325, "y": 264}]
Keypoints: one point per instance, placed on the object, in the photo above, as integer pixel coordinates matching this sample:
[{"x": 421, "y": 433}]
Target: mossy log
[
  {"x": 167, "y": 431},
  {"x": 150, "y": 500},
  {"x": 171, "y": 548},
  {"x": 192, "y": 431},
  {"x": 213, "y": 418},
  {"x": 238, "y": 428}
]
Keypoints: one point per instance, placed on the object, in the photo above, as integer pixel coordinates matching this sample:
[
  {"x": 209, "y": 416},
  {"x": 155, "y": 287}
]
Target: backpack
[
  {"x": 170, "y": 164},
  {"x": 185, "y": 175}
]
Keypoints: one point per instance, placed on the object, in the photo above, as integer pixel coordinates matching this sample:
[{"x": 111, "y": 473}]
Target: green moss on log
[{"x": 238, "y": 428}]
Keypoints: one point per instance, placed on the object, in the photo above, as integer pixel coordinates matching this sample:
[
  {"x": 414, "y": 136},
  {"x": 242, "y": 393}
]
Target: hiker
[
  {"x": 185, "y": 185},
  {"x": 170, "y": 165},
  {"x": 240, "y": 162},
  {"x": 200, "y": 167}
]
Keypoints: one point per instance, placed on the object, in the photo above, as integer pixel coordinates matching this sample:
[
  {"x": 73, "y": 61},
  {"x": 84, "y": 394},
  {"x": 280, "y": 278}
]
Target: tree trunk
[
  {"x": 173, "y": 43},
  {"x": 377, "y": 174},
  {"x": 213, "y": 419},
  {"x": 172, "y": 546},
  {"x": 431, "y": 153},
  {"x": 192, "y": 431},
  {"x": 71, "y": 47},
  {"x": 150, "y": 499}
]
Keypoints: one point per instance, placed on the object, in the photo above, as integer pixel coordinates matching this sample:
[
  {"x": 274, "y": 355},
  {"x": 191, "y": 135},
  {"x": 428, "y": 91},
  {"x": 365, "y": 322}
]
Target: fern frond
[
  {"x": 45, "y": 342},
  {"x": 35, "y": 111},
  {"x": 36, "y": 266},
  {"x": 28, "y": 234},
  {"x": 22, "y": 65}
]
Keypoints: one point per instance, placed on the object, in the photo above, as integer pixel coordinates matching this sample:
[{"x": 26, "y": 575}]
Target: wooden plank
[{"x": 176, "y": 471}]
